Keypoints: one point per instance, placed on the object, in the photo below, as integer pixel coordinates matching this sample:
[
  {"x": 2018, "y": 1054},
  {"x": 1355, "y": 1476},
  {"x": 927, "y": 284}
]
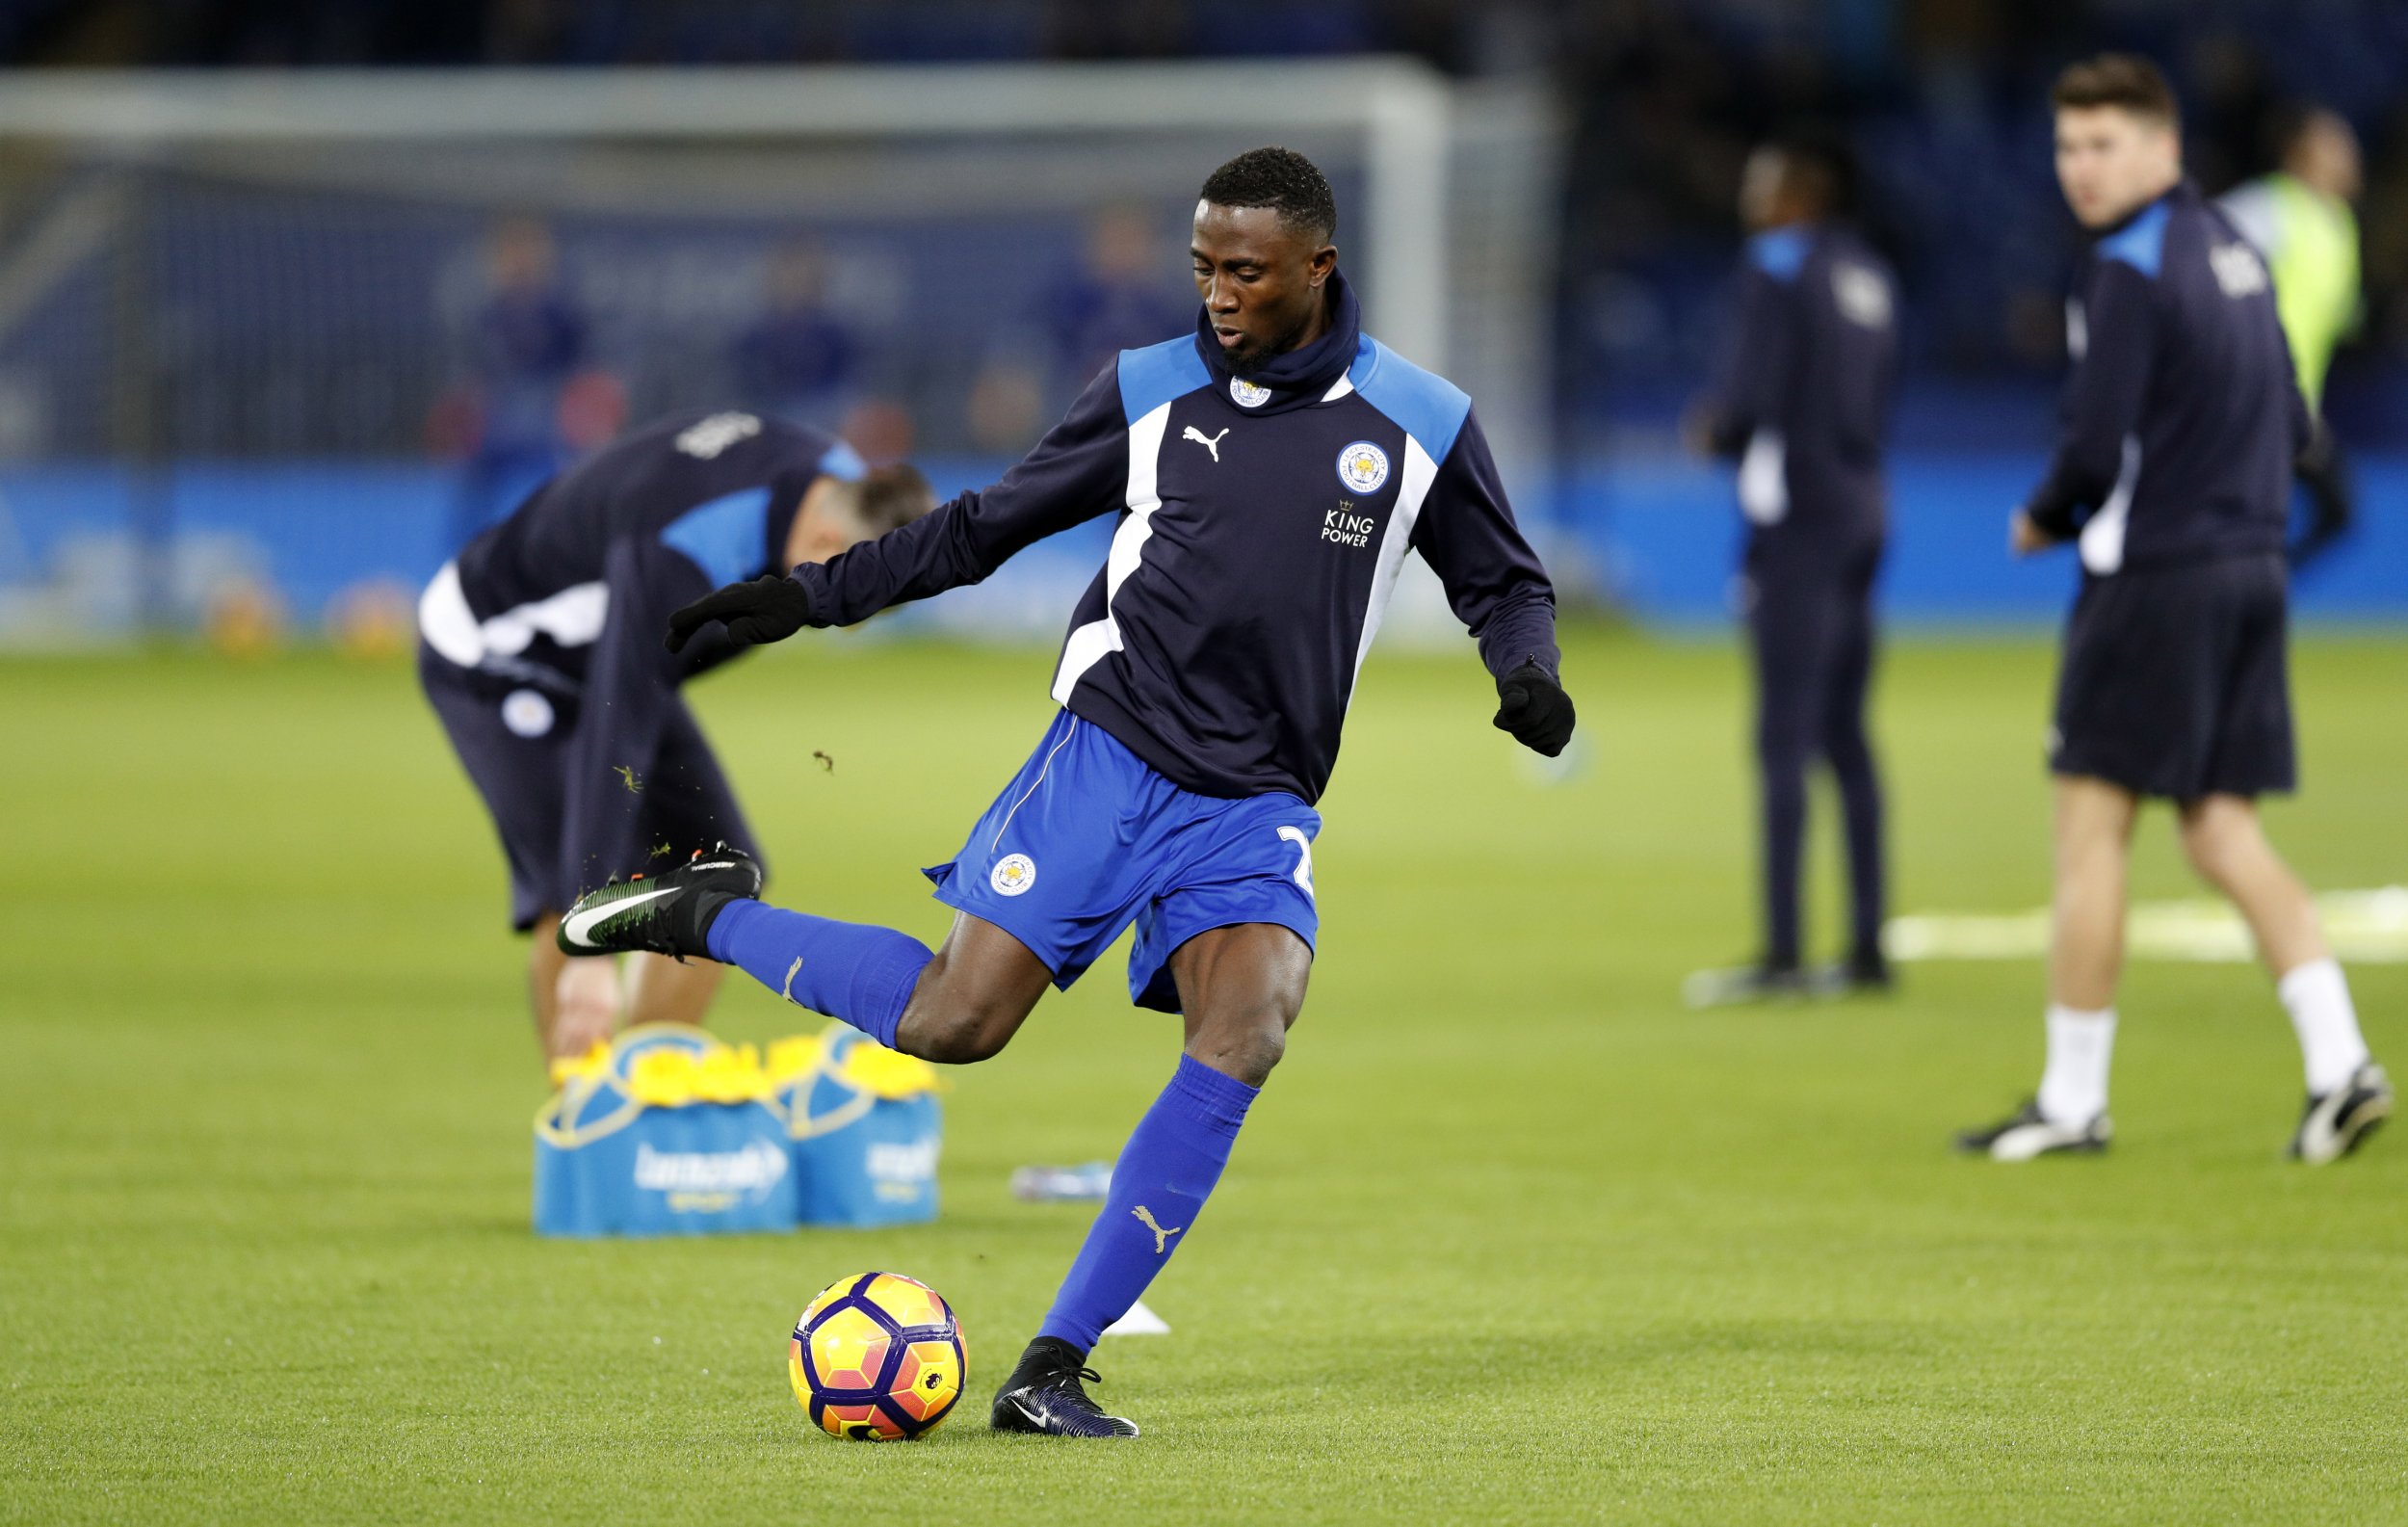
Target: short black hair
[
  {"x": 1821, "y": 163},
  {"x": 1282, "y": 180},
  {"x": 2125, "y": 80},
  {"x": 893, "y": 496}
]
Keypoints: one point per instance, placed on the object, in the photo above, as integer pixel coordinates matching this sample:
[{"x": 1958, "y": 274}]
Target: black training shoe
[
  {"x": 1744, "y": 985},
  {"x": 665, "y": 916},
  {"x": 1859, "y": 976},
  {"x": 2332, "y": 1127},
  {"x": 2029, "y": 1132},
  {"x": 1046, "y": 1395}
]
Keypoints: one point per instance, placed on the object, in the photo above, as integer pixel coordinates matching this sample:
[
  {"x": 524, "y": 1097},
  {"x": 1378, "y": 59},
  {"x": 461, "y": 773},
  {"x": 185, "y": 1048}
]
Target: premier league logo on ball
[{"x": 1362, "y": 466}]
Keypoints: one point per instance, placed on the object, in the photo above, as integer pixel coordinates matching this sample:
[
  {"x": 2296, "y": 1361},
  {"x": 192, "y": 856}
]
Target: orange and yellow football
[{"x": 877, "y": 1357}]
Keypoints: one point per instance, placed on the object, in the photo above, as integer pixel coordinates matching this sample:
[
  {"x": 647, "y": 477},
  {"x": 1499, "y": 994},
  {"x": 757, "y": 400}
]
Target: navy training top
[
  {"x": 1803, "y": 397},
  {"x": 1262, "y": 524},
  {"x": 571, "y": 593},
  {"x": 2181, "y": 418}
]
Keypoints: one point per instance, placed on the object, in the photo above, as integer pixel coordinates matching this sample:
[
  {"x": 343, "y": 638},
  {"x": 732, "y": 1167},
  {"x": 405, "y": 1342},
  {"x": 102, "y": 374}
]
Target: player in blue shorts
[{"x": 1270, "y": 473}]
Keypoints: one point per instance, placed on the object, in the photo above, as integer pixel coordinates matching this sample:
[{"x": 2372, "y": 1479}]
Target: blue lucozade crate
[
  {"x": 671, "y": 1132},
  {"x": 867, "y": 1126}
]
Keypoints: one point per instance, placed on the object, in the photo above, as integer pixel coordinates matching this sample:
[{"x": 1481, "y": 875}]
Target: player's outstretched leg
[
  {"x": 708, "y": 909},
  {"x": 1242, "y": 987}
]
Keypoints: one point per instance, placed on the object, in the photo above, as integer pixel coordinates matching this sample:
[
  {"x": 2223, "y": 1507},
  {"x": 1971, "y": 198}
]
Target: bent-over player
[
  {"x": 539, "y": 649},
  {"x": 2182, "y": 428},
  {"x": 1270, "y": 471}
]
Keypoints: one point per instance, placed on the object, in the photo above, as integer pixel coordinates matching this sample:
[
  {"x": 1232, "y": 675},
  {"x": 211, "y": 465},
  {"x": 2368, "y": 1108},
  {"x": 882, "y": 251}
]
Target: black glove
[
  {"x": 2332, "y": 497},
  {"x": 1532, "y": 706},
  {"x": 769, "y": 609}
]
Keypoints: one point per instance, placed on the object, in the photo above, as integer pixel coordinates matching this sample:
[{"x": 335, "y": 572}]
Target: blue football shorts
[{"x": 1089, "y": 839}]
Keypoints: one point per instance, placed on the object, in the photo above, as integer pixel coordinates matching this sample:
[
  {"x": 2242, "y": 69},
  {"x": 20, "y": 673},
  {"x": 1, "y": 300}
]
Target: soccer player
[
  {"x": 1801, "y": 406},
  {"x": 1269, "y": 472},
  {"x": 540, "y": 650},
  {"x": 2300, "y": 218},
  {"x": 2182, "y": 425}
]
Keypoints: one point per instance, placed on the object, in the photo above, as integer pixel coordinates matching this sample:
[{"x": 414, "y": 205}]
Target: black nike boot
[
  {"x": 1047, "y": 1394},
  {"x": 665, "y": 916}
]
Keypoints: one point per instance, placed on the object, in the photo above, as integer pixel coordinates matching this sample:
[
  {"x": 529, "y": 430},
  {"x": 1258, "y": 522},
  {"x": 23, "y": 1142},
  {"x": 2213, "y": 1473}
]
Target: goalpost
[{"x": 258, "y": 267}]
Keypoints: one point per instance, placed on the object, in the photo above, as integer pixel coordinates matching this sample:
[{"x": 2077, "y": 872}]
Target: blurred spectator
[
  {"x": 528, "y": 341},
  {"x": 1007, "y": 407},
  {"x": 2299, "y": 218},
  {"x": 800, "y": 360},
  {"x": 528, "y": 401},
  {"x": 882, "y": 431},
  {"x": 1123, "y": 293}
]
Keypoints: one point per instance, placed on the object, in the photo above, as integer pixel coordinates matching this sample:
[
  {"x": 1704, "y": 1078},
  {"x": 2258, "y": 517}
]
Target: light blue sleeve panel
[
  {"x": 727, "y": 538},
  {"x": 1423, "y": 404},
  {"x": 844, "y": 463},
  {"x": 1152, "y": 377},
  {"x": 2141, "y": 244},
  {"x": 1780, "y": 254}
]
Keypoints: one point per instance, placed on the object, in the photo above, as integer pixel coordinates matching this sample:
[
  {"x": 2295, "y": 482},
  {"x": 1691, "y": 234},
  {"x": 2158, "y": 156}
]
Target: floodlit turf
[{"x": 1510, "y": 1236}]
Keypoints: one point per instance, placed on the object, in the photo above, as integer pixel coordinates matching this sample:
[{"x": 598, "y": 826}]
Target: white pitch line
[{"x": 2363, "y": 927}]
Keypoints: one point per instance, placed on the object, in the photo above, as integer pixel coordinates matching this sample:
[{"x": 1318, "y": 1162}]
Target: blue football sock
[
  {"x": 1159, "y": 1186},
  {"x": 853, "y": 971}
]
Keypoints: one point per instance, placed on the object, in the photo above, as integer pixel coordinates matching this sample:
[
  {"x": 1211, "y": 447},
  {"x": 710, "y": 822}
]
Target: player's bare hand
[
  {"x": 2024, "y": 537},
  {"x": 585, "y": 1008},
  {"x": 1697, "y": 428},
  {"x": 768, "y": 609}
]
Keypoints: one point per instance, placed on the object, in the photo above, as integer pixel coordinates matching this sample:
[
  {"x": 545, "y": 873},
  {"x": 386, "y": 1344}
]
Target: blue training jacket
[
  {"x": 1803, "y": 397},
  {"x": 571, "y": 594},
  {"x": 1262, "y": 522},
  {"x": 2183, "y": 417}
]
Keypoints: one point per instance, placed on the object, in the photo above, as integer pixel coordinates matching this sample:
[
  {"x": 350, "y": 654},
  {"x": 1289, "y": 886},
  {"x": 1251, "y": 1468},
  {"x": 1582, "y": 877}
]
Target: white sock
[
  {"x": 2074, "y": 1088},
  {"x": 2326, "y": 1021}
]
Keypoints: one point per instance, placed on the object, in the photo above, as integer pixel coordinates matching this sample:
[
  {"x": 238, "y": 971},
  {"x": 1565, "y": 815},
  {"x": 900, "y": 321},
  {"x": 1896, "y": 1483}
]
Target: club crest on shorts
[
  {"x": 1012, "y": 874},
  {"x": 1362, "y": 466},
  {"x": 526, "y": 713},
  {"x": 1247, "y": 394}
]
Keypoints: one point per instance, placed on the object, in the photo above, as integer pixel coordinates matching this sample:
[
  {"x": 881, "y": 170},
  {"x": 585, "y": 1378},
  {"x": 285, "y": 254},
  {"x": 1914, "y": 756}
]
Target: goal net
[{"x": 293, "y": 333}]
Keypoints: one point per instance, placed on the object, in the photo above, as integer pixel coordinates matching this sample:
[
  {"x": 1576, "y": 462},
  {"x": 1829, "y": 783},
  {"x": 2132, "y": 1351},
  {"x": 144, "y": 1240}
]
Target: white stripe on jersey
[
  {"x": 1088, "y": 643},
  {"x": 2102, "y": 537},
  {"x": 571, "y": 618},
  {"x": 1420, "y": 471},
  {"x": 1765, "y": 479}
]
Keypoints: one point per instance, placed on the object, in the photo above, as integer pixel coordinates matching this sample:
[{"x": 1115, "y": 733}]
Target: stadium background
[
  {"x": 1513, "y": 1236},
  {"x": 255, "y": 354}
]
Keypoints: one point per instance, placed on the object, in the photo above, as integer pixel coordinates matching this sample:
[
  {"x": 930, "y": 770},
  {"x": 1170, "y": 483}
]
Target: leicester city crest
[
  {"x": 1012, "y": 874},
  {"x": 1362, "y": 466},
  {"x": 1247, "y": 394}
]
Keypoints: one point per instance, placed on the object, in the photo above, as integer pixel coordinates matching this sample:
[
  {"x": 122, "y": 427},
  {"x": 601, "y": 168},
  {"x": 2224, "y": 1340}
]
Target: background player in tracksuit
[
  {"x": 1803, "y": 405},
  {"x": 540, "y": 653},
  {"x": 2183, "y": 427},
  {"x": 2299, "y": 218},
  {"x": 1270, "y": 471}
]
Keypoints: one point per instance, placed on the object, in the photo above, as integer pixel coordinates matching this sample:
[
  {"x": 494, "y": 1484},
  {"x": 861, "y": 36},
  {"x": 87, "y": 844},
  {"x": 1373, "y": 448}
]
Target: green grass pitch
[{"x": 1511, "y": 1237}]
